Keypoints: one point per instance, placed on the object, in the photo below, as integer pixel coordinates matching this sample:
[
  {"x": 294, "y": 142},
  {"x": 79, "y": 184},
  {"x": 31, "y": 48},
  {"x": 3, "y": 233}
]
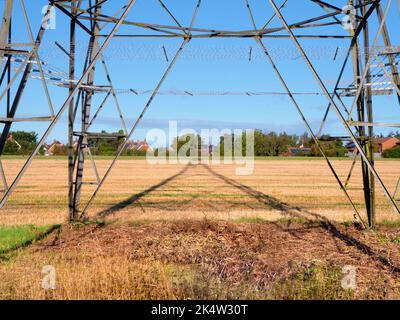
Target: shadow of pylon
[
  {"x": 310, "y": 217},
  {"x": 136, "y": 197}
]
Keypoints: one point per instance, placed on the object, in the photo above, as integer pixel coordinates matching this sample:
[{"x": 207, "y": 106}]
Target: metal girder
[
  {"x": 388, "y": 44},
  {"x": 146, "y": 107},
  {"x": 5, "y": 29},
  {"x": 21, "y": 88},
  {"x": 369, "y": 165},
  {"x": 67, "y": 102},
  {"x": 166, "y": 32},
  {"x": 71, "y": 114},
  {"x": 303, "y": 118},
  {"x": 82, "y": 145}
]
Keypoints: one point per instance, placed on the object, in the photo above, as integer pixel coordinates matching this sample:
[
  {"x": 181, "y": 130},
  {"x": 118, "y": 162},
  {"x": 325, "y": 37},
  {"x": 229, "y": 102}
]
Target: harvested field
[
  {"x": 139, "y": 191},
  {"x": 199, "y": 232}
]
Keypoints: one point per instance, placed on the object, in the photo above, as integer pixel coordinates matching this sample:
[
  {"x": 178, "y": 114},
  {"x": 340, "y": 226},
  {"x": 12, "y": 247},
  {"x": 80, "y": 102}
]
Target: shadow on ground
[
  {"x": 135, "y": 198},
  {"x": 310, "y": 219}
]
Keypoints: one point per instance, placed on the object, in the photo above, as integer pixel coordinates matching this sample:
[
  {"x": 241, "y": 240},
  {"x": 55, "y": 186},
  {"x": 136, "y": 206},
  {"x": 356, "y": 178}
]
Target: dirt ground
[{"x": 137, "y": 190}]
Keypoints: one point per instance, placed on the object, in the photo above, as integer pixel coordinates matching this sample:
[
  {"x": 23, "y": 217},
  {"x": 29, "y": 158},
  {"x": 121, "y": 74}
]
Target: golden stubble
[{"x": 137, "y": 190}]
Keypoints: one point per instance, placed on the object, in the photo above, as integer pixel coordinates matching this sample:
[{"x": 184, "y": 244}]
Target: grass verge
[{"x": 15, "y": 237}]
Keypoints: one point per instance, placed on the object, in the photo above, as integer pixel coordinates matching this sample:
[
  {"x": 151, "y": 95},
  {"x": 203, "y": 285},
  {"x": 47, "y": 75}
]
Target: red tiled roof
[{"x": 383, "y": 140}]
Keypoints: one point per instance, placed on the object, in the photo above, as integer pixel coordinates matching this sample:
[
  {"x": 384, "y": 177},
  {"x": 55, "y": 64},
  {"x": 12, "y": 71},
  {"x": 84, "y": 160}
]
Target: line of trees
[
  {"x": 272, "y": 144},
  {"x": 266, "y": 144},
  {"x": 106, "y": 147},
  {"x": 20, "y": 143}
]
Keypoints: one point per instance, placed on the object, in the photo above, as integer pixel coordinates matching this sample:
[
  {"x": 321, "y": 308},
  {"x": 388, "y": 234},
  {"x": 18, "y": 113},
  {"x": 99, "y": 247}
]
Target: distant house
[
  {"x": 387, "y": 143},
  {"x": 298, "y": 151},
  {"x": 49, "y": 149},
  {"x": 144, "y": 146},
  {"x": 351, "y": 149},
  {"x": 382, "y": 144},
  {"x": 141, "y": 146}
]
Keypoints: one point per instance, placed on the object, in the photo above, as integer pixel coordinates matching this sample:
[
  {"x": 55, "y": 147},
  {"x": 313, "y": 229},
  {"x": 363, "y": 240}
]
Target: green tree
[
  {"x": 189, "y": 142},
  {"x": 30, "y": 137},
  {"x": 330, "y": 148},
  {"x": 265, "y": 144},
  {"x": 11, "y": 148},
  {"x": 273, "y": 144},
  {"x": 60, "y": 150},
  {"x": 223, "y": 140},
  {"x": 392, "y": 153},
  {"x": 107, "y": 146},
  {"x": 20, "y": 143}
]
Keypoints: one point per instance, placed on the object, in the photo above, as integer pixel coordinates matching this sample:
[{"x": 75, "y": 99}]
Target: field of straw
[
  {"x": 137, "y": 190},
  {"x": 199, "y": 231}
]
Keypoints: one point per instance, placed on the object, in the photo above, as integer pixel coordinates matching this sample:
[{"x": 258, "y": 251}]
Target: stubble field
[
  {"x": 137, "y": 190},
  {"x": 199, "y": 231}
]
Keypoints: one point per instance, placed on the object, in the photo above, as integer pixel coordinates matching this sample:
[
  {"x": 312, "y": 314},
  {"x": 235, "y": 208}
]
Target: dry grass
[
  {"x": 136, "y": 191},
  {"x": 84, "y": 276},
  {"x": 206, "y": 260}
]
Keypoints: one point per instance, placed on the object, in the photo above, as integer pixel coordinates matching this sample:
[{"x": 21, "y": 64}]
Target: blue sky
[{"x": 206, "y": 65}]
